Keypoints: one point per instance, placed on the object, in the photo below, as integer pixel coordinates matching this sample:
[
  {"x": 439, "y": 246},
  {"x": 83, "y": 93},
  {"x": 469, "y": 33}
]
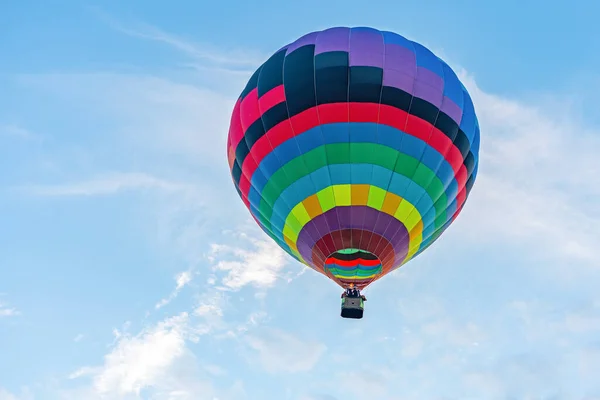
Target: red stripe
[
  {"x": 353, "y": 238},
  {"x": 249, "y": 111},
  {"x": 231, "y": 157},
  {"x": 352, "y": 263},
  {"x": 271, "y": 98},
  {"x": 460, "y": 200},
  {"x": 338, "y": 112},
  {"x": 236, "y": 133},
  {"x": 251, "y": 107}
]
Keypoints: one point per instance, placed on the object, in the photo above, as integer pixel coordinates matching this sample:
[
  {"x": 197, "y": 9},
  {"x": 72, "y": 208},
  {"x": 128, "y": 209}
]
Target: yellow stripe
[{"x": 341, "y": 195}]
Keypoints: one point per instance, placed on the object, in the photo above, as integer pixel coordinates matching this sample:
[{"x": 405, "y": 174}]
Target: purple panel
[
  {"x": 307, "y": 39},
  {"x": 400, "y": 58},
  {"x": 334, "y": 39},
  {"x": 398, "y": 79},
  {"x": 431, "y": 78},
  {"x": 366, "y": 48},
  {"x": 424, "y": 91},
  {"x": 358, "y": 217},
  {"x": 452, "y": 109}
]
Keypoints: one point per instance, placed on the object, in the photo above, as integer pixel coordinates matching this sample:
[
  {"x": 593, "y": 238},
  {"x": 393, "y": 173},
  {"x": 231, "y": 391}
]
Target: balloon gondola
[{"x": 354, "y": 149}]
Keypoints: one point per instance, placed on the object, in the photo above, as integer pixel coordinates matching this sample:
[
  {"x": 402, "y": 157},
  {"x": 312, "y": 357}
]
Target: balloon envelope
[{"x": 354, "y": 149}]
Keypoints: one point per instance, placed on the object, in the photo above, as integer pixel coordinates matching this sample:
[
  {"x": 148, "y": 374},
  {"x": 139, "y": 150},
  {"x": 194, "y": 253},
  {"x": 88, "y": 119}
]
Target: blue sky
[{"x": 129, "y": 268}]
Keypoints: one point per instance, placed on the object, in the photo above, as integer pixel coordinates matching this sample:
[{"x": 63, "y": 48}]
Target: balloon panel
[{"x": 354, "y": 149}]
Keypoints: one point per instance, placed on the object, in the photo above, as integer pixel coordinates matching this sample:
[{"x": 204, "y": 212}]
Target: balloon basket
[{"x": 352, "y": 308}]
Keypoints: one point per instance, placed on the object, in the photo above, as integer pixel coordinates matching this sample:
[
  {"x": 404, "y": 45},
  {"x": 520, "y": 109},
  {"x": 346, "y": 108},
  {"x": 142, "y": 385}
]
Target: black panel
[
  {"x": 336, "y": 82},
  {"x": 463, "y": 145},
  {"x": 447, "y": 125},
  {"x": 331, "y": 77},
  {"x": 241, "y": 151},
  {"x": 424, "y": 110},
  {"x": 236, "y": 172},
  {"x": 271, "y": 75},
  {"x": 359, "y": 255},
  {"x": 251, "y": 85},
  {"x": 395, "y": 97},
  {"x": 365, "y": 84},
  {"x": 299, "y": 79},
  {"x": 470, "y": 183},
  {"x": 274, "y": 116},
  {"x": 254, "y": 132},
  {"x": 469, "y": 163}
]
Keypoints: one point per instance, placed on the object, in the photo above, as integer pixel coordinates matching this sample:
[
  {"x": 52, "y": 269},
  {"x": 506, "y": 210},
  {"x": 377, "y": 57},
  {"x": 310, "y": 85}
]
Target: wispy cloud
[
  {"x": 18, "y": 132},
  {"x": 281, "y": 352},
  {"x": 8, "y": 311},
  {"x": 259, "y": 266},
  {"x": 164, "y": 119},
  {"x": 525, "y": 199},
  {"x": 156, "y": 358},
  {"x": 182, "y": 279},
  {"x": 534, "y": 190},
  {"x": 105, "y": 185},
  {"x": 201, "y": 52},
  {"x": 6, "y": 395}
]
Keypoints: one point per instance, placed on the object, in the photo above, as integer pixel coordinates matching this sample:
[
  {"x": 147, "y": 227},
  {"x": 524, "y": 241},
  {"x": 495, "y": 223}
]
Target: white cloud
[
  {"x": 25, "y": 394},
  {"x": 6, "y": 395},
  {"x": 165, "y": 119},
  {"x": 535, "y": 187},
  {"x": 182, "y": 279},
  {"x": 156, "y": 359},
  {"x": 278, "y": 351},
  {"x": 7, "y": 311},
  {"x": 259, "y": 267},
  {"x": 525, "y": 197}
]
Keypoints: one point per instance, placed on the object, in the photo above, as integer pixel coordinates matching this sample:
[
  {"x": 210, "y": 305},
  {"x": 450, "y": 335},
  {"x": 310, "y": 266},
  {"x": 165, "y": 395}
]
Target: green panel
[
  {"x": 365, "y": 153},
  {"x": 338, "y": 153}
]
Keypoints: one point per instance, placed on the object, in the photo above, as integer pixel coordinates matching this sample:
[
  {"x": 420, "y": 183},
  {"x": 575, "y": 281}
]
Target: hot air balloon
[{"x": 354, "y": 149}]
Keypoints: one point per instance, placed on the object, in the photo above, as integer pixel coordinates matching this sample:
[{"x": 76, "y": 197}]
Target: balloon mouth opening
[{"x": 353, "y": 266}]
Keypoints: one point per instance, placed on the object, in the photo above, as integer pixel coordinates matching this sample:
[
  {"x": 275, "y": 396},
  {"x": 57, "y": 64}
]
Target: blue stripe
[
  {"x": 341, "y": 133},
  {"x": 391, "y": 37},
  {"x": 452, "y": 87},
  {"x": 340, "y": 175},
  {"x": 426, "y": 59},
  {"x": 468, "y": 123}
]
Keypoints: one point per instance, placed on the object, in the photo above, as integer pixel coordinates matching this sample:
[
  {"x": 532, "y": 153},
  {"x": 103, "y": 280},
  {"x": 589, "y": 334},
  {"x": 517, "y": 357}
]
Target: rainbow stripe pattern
[{"x": 354, "y": 149}]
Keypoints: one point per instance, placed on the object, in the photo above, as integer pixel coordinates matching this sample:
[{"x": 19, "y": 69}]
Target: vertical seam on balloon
[
  {"x": 377, "y": 141},
  {"x": 423, "y": 153},
  {"x": 402, "y": 138},
  {"x": 297, "y": 145},
  {"x": 335, "y": 206},
  {"x": 259, "y": 167},
  {"x": 414, "y": 173},
  {"x": 443, "y": 225},
  {"x": 406, "y": 259},
  {"x": 268, "y": 224},
  {"x": 268, "y": 230},
  {"x": 425, "y": 227},
  {"x": 349, "y": 148},
  {"x": 325, "y": 269}
]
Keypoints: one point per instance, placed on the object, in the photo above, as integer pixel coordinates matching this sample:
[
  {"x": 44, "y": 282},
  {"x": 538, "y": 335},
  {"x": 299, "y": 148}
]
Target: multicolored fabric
[{"x": 354, "y": 149}]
